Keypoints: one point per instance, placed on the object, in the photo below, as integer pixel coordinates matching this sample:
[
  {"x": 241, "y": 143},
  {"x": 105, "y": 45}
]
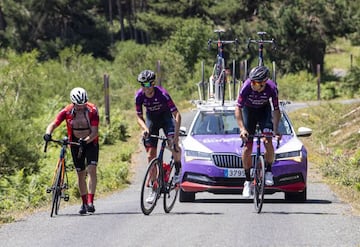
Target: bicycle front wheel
[
  {"x": 259, "y": 184},
  {"x": 151, "y": 187},
  {"x": 56, "y": 191},
  {"x": 171, "y": 191}
]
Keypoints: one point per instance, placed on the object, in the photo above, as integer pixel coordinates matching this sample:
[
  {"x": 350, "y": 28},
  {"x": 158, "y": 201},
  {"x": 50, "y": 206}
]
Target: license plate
[{"x": 234, "y": 173}]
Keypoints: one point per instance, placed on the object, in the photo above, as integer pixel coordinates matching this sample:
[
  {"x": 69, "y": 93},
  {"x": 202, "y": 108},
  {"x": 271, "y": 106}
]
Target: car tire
[
  {"x": 186, "y": 196},
  {"x": 296, "y": 196}
]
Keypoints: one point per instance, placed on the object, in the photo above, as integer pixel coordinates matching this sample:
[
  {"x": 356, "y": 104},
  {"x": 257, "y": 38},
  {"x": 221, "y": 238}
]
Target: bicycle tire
[
  {"x": 56, "y": 191},
  {"x": 259, "y": 184},
  {"x": 60, "y": 187},
  {"x": 147, "y": 188},
  {"x": 171, "y": 191}
]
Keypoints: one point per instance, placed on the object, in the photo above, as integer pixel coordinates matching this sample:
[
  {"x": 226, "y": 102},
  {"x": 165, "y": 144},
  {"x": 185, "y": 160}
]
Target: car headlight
[
  {"x": 192, "y": 155},
  {"x": 294, "y": 155}
]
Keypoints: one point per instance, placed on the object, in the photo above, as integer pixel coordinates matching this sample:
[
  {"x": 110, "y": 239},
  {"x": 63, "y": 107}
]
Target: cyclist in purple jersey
[
  {"x": 254, "y": 107},
  {"x": 161, "y": 113}
]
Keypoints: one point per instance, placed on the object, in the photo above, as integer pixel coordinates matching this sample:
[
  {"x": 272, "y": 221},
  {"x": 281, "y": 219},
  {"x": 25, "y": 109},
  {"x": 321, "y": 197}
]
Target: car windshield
[{"x": 223, "y": 123}]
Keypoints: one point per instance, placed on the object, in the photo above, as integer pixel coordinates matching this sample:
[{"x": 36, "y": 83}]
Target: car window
[
  {"x": 214, "y": 123},
  {"x": 284, "y": 126},
  {"x": 222, "y": 123}
]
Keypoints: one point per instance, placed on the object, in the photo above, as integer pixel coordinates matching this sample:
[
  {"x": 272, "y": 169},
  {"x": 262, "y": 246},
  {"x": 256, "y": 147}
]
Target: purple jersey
[
  {"x": 161, "y": 102},
  {"x": 254, "y": 99}
]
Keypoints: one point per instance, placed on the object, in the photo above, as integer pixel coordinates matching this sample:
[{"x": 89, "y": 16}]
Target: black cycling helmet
[
  {"x": 259, "y": 74},
  {"x": 146, "y": 76}
]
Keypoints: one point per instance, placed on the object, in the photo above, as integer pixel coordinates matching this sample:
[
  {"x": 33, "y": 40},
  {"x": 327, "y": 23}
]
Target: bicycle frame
[
  {"x": 61, "y": 162},
  {"x": 219, "y": 74}
]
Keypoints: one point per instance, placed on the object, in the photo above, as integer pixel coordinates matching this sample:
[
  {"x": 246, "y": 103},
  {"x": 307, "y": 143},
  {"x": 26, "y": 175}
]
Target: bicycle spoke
[
  {"x": 55, "y": 192},
  {"x": 151, "y": 187},
  {"x": 259, "y": 184}
]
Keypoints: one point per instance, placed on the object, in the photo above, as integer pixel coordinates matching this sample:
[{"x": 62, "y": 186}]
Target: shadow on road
[
  {"x": 96, "y": 214},
  {"x": 272, "y": 201},
  {"x": 296, "y": 213}
]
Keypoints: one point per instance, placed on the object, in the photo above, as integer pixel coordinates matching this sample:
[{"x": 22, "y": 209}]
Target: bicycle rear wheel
[
  {"x": 171, "y": 191},
  {"x": 56, "y": 191},
  {"x": 259, "y": 184},
  {"x": 151, "y": 186}
]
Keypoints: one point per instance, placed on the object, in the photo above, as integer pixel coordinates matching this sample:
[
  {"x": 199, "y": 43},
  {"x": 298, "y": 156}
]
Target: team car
[{"x": 212, "y": 148}]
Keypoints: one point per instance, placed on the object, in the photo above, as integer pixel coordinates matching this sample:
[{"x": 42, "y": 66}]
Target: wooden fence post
[
  {"x": 107, "y": 98},
  {"x": 158, "y": 72},
  {"x": 318, "y": 69}
]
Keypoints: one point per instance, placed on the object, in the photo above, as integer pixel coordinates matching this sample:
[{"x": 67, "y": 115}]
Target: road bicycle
[
  {"x": 159, "y": 178},
  {"x": 59, "y": 182},
  {"x": 260, "y": 42},
  {"x": 258, "y": 171},
  {"x": 219, "y": 71}
]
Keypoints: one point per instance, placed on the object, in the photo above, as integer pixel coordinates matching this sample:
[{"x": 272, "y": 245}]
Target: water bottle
[{"x": 166, "y": 168}]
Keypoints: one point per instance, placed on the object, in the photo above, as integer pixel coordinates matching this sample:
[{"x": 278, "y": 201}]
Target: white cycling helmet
[
  {"x": 146, "y": 76},
  {"x": 78, "y": 96}
]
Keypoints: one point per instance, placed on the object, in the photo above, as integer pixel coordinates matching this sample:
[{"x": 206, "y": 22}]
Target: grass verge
[{"x": 334, "y": 148}]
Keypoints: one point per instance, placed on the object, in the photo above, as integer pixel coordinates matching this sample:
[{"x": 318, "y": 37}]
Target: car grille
[{"x": 227, "y": 160}]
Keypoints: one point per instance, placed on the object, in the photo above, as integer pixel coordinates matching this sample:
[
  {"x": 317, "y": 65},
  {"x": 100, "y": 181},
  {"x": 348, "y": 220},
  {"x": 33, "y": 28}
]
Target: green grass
[
  {"x": 339, "y": 54},
  {"x": 334, "y": 147}
]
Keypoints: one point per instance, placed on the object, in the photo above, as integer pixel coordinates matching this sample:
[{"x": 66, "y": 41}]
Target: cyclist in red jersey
[{"x": 82, "y": 122}]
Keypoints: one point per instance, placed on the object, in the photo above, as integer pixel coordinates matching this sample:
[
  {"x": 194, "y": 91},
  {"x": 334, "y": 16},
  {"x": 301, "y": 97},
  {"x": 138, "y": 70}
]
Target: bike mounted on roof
[
  {"x": 216, "y": 87},
  {"x": 217, "y": 82},
  {"x": 260, "y": 42}
]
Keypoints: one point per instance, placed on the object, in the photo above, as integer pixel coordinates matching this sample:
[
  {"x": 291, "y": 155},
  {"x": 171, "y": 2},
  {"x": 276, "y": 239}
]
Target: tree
[{"x": 304, "y": 28}]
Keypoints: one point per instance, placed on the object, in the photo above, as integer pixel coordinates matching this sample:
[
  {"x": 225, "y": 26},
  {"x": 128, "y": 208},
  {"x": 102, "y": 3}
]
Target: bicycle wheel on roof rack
[
  {"x": 151, "y": 184},
  {"x": 259, "y": 183},
  {"x": 171, "y": 190},
  {"x": 56, "y": 191}
]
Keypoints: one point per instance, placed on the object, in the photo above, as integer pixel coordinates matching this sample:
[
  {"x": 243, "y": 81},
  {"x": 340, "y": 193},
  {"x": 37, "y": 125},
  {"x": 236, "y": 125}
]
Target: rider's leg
[
  {"x": 269, "y": 153},
  {"x": 82, "y": 185},
  {"x": 246, "y": 159},
  {"x": 151, "y": 153},
  {"x": 92, "y": 157},
  {"x": 266, "y": 125}
]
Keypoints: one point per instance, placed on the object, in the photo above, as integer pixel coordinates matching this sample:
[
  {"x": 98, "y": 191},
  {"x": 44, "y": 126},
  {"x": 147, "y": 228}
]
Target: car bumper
[{"x": 288, "y": 177}]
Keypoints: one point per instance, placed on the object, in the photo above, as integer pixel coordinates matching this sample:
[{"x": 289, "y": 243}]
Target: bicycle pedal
[
  {"x": 66, "y": 197},
  {"x": 65, "y": 186},
  {"x": 48, "y": 190}
]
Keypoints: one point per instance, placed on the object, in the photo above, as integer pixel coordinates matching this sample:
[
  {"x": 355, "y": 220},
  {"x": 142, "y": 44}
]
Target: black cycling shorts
[
  {"x": 90, "y": 154},
  {"x": 262, "y": 116},
  {"x": 156, "y": 122}
]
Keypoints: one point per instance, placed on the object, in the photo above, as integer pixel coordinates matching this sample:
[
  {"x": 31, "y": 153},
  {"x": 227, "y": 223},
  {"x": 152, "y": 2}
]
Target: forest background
[{"x": 49, "y": 47}]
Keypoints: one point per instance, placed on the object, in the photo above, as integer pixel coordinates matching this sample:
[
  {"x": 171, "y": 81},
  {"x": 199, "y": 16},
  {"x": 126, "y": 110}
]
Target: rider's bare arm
[{"x": 276, "y": 120}]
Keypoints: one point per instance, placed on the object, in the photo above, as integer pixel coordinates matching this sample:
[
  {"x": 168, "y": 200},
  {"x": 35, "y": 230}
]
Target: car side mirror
[
  {"x": 304, "y": 132},
  {"x": 182, "y": 131}
]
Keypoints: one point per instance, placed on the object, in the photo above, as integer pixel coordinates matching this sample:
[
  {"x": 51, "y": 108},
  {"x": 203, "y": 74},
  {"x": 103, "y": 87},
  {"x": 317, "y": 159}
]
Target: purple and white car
[{"x": 211, "y": 158}]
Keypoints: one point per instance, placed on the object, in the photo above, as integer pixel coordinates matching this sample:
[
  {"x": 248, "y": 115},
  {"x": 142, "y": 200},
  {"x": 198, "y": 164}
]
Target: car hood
[
  {"x": 232, "y": 144},
  {"x": 213, "y": 143}
]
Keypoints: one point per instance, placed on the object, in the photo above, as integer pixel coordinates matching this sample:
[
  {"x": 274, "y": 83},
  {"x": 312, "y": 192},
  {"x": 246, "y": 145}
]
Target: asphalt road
[{"x": 212, "y": 220}]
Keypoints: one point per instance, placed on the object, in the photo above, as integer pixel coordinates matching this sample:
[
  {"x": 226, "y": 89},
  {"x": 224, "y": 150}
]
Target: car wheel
[
  {"x": 186, "y": 196},
  {"x": 296, "y": 196}
]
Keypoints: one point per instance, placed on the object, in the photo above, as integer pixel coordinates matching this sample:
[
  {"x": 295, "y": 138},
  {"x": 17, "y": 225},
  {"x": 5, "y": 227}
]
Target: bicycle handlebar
[
  {"x": 64, "y": 141},
  {"x": 224, "y": 42},
  {"x": 164, "y": 138},
  {"x": 262, "y": 136}
]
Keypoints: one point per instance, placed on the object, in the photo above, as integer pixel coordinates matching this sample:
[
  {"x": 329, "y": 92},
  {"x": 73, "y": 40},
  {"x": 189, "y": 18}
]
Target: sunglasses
[
  {"x": 146, "y": 84},
  {"x": 261, "y": 83}
]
